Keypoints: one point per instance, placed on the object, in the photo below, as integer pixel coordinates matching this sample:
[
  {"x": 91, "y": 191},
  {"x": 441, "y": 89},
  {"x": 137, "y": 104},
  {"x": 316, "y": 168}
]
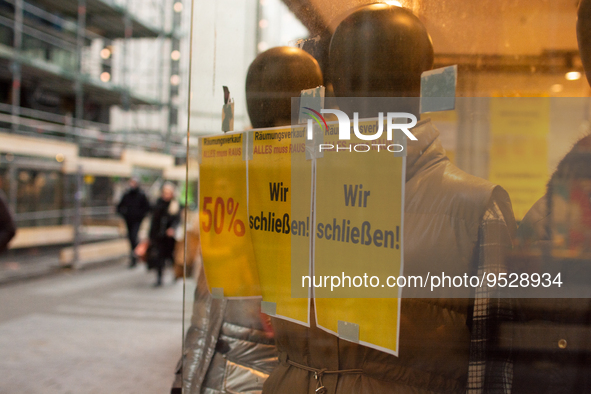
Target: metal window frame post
[{"x": 77, "y": 217}]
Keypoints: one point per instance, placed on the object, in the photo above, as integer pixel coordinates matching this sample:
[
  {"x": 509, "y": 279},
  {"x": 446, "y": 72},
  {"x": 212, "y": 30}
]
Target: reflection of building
[{"x": 89, "y": 95}]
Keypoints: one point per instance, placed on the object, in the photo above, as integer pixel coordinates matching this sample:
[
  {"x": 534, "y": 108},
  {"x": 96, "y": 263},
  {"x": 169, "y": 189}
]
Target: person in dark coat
[
  {"x": 165, "y": 219},
  {"x": 7, "y": 226},
  {"x": 134, "y": 206}
]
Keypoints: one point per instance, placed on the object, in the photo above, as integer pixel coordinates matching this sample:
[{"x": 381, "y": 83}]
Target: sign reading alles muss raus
[{"x": 280, "y": 212}]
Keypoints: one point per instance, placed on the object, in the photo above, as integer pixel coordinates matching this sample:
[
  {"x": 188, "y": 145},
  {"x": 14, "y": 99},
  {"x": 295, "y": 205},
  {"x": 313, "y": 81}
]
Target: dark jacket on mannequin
[
  {"x": 454, "y": 220},
  {"x": 551, "y": 368}
]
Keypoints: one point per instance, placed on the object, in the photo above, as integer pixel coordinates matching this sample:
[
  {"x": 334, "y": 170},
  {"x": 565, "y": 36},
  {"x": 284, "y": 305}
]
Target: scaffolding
[
  {"x": 85, "y": 71},
  {"x": 89, "y": 96}
]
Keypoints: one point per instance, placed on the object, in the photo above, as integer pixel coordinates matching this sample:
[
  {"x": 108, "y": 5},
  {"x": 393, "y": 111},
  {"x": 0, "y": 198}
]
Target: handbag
[{"x": 141, "y": 250}]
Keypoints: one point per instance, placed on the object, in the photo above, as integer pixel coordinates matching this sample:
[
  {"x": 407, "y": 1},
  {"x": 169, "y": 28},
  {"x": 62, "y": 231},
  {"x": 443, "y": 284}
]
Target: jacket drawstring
[{"x": 319, "y": 373}]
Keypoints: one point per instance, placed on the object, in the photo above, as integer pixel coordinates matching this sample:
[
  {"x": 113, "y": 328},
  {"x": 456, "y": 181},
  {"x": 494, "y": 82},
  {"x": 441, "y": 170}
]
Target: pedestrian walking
[
  {"x": 134, "y": 206},
  {"x": 7, "y": 226},
  {"x": 165, "y": 220}
]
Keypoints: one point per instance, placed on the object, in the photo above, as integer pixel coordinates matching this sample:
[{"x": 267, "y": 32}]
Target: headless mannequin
[
  {"x": 360, "y": 68},
  {"x": 381, "y": 51},
  {"x": 273, "y": 78},
  {"x": 388, "y": 65},
  {"x": 556, "y": 370}
]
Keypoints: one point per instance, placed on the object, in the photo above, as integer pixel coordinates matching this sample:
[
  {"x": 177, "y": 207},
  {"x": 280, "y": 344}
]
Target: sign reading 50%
[{"x": 217, "y": 217}]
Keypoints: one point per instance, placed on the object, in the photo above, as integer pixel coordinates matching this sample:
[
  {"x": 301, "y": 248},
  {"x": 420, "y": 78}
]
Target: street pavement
[
  {"x": 101, "y": 330},
  {"x": 28, "y": 263}
]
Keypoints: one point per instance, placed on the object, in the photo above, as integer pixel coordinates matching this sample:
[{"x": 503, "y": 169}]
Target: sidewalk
[
  {"x": 23, "y": 264},
  {"x": 103, "y": 331},
  {"x": 38, "y": 262}
]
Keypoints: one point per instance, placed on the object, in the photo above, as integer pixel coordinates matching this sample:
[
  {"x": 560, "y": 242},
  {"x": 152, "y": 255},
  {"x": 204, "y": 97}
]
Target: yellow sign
[
  {"x": 279, "y": 179},
  {"x": 228, "y": 257},
  {"x": 312, "y": 216},
  {"x": 358, "y": 238},
  {"x": 519, "y": 149}
]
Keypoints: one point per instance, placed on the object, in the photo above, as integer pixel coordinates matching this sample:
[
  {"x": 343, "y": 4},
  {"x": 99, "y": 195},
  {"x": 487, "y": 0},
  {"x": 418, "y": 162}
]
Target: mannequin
[
  {"x": 455, "y": 221},
  {"x": 584, "y": 35},
  {"x": 549, "y": 368},
  {"x": 274, "y": 77},
  {"x": 362, "y": 68},
  {"x": 557, "y": 369}
]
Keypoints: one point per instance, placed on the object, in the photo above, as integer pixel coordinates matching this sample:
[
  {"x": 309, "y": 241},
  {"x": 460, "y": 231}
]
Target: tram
[{"x": 50, "y": 188}]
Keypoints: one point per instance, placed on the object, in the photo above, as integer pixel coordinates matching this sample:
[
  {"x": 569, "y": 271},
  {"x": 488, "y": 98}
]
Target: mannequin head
[
  {"x": 379, "y": 50},
  {"x": 274, "y": 77}
]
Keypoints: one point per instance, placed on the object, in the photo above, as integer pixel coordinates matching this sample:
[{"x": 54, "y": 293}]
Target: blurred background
[{"x": 91, "y": 93}]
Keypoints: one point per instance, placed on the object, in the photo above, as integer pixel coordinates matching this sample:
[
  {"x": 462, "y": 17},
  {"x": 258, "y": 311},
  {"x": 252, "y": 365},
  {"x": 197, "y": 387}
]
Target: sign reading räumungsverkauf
[{"x": 226, "y": 246}]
